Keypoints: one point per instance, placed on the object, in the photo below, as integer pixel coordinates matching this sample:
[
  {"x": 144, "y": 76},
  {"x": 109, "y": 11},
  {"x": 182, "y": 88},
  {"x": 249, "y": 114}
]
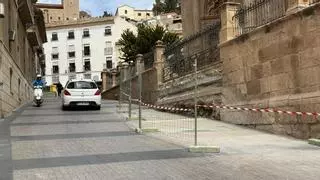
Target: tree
[
  {"x": 144, "y": 41},
  {"x": 106, "y": 14},
  {"x": 166, "y": 6}
]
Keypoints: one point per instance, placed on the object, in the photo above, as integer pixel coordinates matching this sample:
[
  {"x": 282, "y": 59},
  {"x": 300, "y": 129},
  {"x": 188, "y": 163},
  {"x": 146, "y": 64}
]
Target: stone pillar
[
  {"x": 104, "y": 75},
  {"x": 159, "y": 60},
  {"x": 295, "y": 5},
  {"x": 114, "y": 77},
  {"x": 139, "y": 63},
  {"x": 125, "y": 71},
  {"x": 228, "y": 10}
]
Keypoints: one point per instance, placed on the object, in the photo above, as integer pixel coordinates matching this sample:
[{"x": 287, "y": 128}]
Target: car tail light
[
  {"x": 66, "y": 93},
  {"x": 98, "y": 93}
]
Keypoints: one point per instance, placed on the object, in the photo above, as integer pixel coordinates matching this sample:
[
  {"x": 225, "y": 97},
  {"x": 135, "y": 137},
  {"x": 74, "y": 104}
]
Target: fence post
[
  {"x": 104, "y": 80},
  {"x": 228, "y": 24},
  {"x": 295, "y": 5},
  {"x": 120, "y": 83},
  {"x": 139, "y": 60},
  {"x": 196, "y": 101},
  {"x": 125, "y": 71},
  {"x": 130, "y": 90},
  {"x": 114, "y": 77},
  {"x": 159, "y": 61}
]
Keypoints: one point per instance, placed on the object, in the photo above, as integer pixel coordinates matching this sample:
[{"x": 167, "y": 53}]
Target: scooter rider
[{"x": 38, "y": 81}]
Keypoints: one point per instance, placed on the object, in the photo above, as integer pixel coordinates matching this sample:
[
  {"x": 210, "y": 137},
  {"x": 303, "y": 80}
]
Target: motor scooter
[{"x": 38, "y": 95}]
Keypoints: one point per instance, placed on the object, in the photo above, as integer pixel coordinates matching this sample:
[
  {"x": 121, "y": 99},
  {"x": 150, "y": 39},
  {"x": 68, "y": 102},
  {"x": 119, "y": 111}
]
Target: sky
[{"x": 96, "y": 7}]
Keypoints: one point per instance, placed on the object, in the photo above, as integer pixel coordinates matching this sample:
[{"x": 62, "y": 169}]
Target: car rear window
[{"x": 82, "y": 85}]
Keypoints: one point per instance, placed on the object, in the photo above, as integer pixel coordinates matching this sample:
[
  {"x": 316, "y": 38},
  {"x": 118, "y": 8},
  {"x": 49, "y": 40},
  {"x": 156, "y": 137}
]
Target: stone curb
[
  {"x": 315, "y": 142},
  {"x": 204, "y": 149},
  {"x": 17, "y": 111}
]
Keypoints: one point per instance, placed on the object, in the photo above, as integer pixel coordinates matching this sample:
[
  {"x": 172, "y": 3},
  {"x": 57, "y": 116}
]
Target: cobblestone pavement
[{"x": 48, "y": 143}]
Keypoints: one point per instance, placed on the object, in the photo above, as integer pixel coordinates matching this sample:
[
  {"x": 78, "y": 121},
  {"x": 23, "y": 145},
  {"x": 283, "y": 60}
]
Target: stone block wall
[
  {"x": 16, "y": 90},
  {"x": 112, "y": 93},
  {"x": 180, "y": 91},
  {"x": 149, "y": 88},
  {"x": 276, "y": 66}
]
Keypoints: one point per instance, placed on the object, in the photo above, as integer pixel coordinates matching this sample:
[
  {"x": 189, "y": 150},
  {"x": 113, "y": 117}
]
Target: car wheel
[
  {"x": 64, "y": 108},
  {"x": 98, "y": 107}
]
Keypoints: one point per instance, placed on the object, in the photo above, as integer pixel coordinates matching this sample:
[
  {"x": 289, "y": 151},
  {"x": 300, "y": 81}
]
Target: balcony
[
  {"x": 26, "y": 12},
  {"x": 34, "y": 36}
]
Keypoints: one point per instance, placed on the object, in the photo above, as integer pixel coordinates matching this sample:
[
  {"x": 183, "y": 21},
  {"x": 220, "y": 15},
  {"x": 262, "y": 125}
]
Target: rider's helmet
[{"x": 38, "y": 76}]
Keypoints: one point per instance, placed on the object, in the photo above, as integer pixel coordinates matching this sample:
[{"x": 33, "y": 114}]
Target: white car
[{"x": 81, "y": 93}]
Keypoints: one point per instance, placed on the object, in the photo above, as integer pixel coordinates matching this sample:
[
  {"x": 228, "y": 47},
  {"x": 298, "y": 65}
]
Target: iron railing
[
  {"x": 181, "y": 56},
  {"x": 313, "y": 1},
  {"x": 258, "y": 13},
  {"x": 148, "y": 60}
]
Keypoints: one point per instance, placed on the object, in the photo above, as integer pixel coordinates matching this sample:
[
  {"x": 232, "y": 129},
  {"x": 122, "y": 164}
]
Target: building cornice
[
  {"x": 49, "y": 6},
  {"x": 80, "y": 23}
]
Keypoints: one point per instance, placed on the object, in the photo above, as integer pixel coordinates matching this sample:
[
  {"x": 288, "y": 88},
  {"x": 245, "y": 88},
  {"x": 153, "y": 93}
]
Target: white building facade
[
  {"x": 134, "y": 14},
  {"x": 83, "y": 49}
]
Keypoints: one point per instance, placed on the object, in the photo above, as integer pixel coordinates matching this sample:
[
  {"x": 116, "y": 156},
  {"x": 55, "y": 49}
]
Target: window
[
  {"x": 54, "y": 37},
  {"x": 148, "y": 14},
  {"x": 107, "y": 31},
  {"x": 108, "y": 50},
  {"x": 87, "y": 65},
  {"x": 109, "y": 62},
  {"x": 59, "y": 18},
  {"x": 55, "y": 69},
  {"x": 86, "y": 33},
  {"x": 125, "y": 11},
  {"x": 71, "y": 54},
  {"x": 67, "y": 19},
  {"x": 86, "y": 50},
  {"x": 71, "y": 35},
  {"x": 55, "y": 53},
  {"x": 72, "y": 67},
  {"x": 55, "y": 56},
  {"x": 82, "y": 84},
  {"x": 71, "y": 51},
  {"x": 139, "y": 14}
]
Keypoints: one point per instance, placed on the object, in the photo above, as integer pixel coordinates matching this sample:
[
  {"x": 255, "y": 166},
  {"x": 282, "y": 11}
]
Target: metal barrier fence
[
  {"x": 258, "y": 13},
  {"x": 169, "y": 122},
  {"x": 148, "y": 60},
  {"x": 180, "y": 56},
  {"x": 183, "y": 59}
]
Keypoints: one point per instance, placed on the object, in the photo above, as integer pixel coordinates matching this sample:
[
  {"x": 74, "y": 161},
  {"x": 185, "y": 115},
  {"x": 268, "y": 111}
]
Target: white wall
[
  {"x": 133, "y": 14},
  {"x": 97, "y": 41}
]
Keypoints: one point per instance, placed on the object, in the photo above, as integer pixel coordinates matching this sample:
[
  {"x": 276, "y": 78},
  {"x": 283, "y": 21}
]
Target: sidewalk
[{"x": 239, "y": 145}]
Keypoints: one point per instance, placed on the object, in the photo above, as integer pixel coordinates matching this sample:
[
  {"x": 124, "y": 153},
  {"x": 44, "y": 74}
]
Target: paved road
[{"x": 47, "y": 143}]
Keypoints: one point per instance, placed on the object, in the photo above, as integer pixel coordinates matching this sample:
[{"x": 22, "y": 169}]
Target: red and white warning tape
[
  {"x": 167, "y": 108},
  {"x": 262, "y": 110},
  {"x": 268, "y": 110}
]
